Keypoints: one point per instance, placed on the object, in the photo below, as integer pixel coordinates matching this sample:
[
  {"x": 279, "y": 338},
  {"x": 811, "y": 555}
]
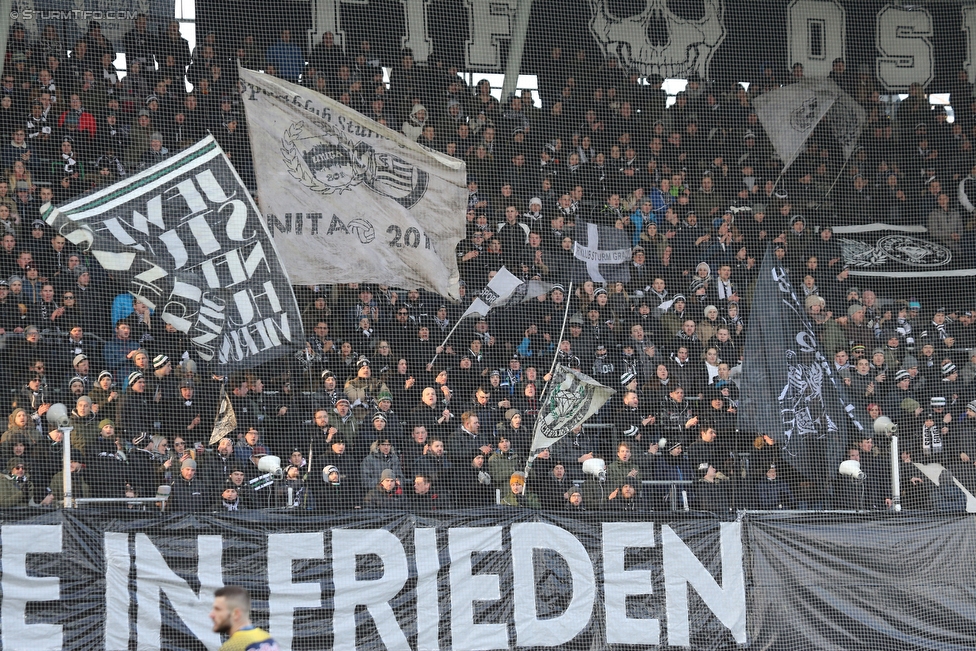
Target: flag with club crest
[
  {"x": 790, "y": 114},
  {"x": 348, "y": 199},
  {"x": 572, "y": 398}
]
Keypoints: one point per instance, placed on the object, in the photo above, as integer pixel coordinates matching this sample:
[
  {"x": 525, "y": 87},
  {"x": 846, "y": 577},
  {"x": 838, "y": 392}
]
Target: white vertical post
[
  {"x": 66, "y": 466},
  {"x": 895, "y": 474}
]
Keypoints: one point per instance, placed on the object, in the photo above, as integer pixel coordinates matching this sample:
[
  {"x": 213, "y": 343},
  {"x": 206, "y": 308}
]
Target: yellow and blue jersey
[{"x": 250, "y": 639}]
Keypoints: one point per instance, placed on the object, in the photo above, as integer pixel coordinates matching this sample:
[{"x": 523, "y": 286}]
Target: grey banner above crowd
[{"x": 389, "y": 209}]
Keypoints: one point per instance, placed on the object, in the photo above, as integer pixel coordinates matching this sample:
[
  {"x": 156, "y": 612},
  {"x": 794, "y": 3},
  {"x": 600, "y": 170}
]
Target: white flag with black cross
[{"x": 604, "y": 254}]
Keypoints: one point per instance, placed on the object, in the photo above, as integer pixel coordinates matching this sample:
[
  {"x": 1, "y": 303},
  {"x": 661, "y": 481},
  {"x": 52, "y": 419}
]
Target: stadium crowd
[{"x": 364, "y": 416}]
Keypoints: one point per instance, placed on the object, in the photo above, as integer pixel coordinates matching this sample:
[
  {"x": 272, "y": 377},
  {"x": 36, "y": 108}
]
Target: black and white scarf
[
  {"x": 725, "y": 289},
  {"x": 931, "y": 440},
  {"x": 69, "y": 163}
]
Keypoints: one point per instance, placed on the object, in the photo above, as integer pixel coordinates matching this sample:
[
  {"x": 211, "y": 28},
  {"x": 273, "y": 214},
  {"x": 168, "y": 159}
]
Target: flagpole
[
  {"x": 491, "y": 297},
  {"x": 778, "y": 180},
  {"x": 562, "y": 331},
  {"x": 444, "y": 343},
  {"x": 308, "y": 468},
  {"x": 552, "y": 367},
  {"x": 837, "y": 178}
]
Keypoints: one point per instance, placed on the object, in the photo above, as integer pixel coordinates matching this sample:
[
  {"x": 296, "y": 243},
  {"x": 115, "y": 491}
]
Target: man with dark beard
[{"x": 231, "y": 614}]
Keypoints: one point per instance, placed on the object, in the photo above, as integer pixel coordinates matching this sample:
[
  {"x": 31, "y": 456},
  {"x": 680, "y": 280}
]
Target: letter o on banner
[{"x": 816, "y": 34}]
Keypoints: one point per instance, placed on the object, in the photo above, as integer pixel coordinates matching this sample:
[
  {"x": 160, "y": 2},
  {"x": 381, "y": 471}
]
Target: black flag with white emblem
[{"x": 788, "y": 389}]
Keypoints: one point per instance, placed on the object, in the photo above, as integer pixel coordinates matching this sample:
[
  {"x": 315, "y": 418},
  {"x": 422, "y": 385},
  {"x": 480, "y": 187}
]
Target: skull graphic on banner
[{"x": 662, "y": 39}]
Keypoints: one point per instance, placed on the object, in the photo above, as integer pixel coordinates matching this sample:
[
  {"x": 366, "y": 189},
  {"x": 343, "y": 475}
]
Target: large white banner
[
  {"x": 369, "y": 581},
  {"x": 347, "y": 199}
]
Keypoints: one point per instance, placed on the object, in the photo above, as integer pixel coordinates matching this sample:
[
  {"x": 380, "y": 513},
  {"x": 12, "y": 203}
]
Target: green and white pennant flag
[{"x": 573, "y": 398}]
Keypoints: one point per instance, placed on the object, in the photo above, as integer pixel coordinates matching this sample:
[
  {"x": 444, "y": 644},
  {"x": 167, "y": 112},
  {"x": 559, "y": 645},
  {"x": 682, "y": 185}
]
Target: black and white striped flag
[{"x": 188, "y": 241}]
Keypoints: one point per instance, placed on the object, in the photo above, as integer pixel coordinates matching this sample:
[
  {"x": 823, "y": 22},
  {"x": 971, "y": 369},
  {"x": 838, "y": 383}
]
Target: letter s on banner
[
  {"x": 904, "y": 40},
  {"x": 806, "y": 341}
]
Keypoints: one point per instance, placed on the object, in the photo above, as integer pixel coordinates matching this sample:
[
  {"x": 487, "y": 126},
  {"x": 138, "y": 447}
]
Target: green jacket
[
  {"x": 526, "y": 501},
  {"x": 106, "y": 409},
  {"x": 347, "y": 429},
  {"x": 833, "y": 337},
  {"x": 617, "y": 473},
  {"x": 501, "y": 466},
  {"x": 672, "y": 323},
  {"x": 13, "y": 495},
  {"x": 362, "y": 390},
  {"x": 79, "y": 487},
  {"x": 85, "y": 431}
]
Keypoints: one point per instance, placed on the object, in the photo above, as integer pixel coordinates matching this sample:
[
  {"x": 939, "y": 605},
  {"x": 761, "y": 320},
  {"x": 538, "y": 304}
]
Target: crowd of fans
[
  {"x": 378, "y": 410},
  {"x": 70, "y": 121}
]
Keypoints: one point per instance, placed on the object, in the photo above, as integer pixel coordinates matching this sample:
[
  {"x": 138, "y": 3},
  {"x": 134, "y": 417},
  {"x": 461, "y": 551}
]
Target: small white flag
[
  {"x": 665, "y": 305},
  {"x": 791, "y": 113},
  {"x": 226, "y": 419},
  {"x": 505, "y": 289}
]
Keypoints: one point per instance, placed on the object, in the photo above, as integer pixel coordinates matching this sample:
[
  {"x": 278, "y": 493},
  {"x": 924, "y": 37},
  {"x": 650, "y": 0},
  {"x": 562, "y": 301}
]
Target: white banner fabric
[{"x": 347, "y": 199}]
